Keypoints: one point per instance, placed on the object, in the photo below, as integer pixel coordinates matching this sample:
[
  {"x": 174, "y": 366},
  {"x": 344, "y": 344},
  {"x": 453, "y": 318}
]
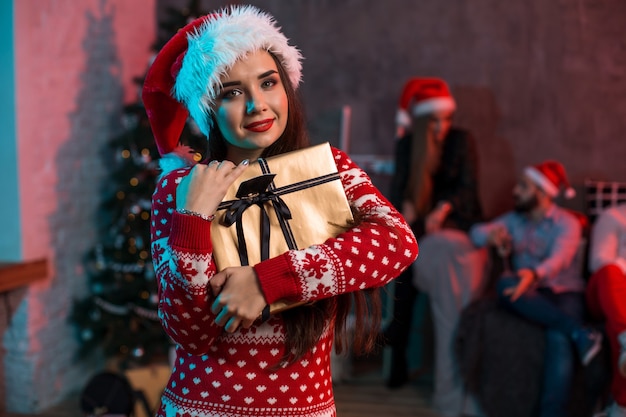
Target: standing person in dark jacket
[{"x": 435, "y": 187}]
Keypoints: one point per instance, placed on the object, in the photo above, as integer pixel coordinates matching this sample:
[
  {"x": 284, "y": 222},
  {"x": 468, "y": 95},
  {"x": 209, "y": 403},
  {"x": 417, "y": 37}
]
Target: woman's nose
[{"x": 254, "y": 104}]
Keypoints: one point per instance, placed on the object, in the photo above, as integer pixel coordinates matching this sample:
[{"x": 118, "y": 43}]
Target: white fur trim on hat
[
  {"x": 217, "y": 45},
  {"x": 432, "y": 105},
  {"x": 542, "y": 181},
  {"x": 402, "y": 118}
]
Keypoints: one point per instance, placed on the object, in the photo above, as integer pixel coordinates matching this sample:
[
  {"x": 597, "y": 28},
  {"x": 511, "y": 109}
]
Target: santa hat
[
  {"x": 423, "y": 96},
  {"x": 550, "y": 176},
  {"x": 184, "y": 78}
]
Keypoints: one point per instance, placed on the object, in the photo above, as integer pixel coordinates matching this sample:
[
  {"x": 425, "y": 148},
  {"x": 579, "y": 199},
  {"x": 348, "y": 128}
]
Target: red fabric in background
[{"x": 606, "y": 298}]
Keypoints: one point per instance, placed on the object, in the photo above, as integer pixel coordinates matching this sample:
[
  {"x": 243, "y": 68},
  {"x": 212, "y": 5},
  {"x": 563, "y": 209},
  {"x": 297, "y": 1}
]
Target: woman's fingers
[
  {"x": 240, "y": 300},
  {"x": 224, "y": 316},
  {"x": 206, "y": 185},
  {"x": 225, "y": 164},
  {"x": 239, "y": 169},
  {"x": 219, "y": 305},
  {"x": 227, "y": 317},
  {"x": 216, "y": 283}
]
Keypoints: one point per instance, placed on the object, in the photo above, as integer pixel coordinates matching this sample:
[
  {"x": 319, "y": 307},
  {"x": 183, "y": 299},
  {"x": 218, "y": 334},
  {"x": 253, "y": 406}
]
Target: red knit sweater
[{"x": 222, "y": 374}]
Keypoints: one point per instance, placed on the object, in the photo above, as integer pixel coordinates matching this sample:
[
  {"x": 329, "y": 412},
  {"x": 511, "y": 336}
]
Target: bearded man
[{"x": 545, "y": 283}]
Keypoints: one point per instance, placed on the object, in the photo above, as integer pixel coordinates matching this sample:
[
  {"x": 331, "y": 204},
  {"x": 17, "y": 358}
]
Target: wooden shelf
[{"x": 14, "y": 275}]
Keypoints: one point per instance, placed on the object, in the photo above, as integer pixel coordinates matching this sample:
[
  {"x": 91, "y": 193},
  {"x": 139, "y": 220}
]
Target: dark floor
[
  {"x": 361, "y": 394},
  {"x": 356, "y": 398}
]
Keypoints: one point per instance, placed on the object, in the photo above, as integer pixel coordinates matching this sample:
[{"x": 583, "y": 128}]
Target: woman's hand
[
  {"x": 205, "y": 187},
  {"x": 239, "y": 299},
  {"x": 434, "y": 220}
]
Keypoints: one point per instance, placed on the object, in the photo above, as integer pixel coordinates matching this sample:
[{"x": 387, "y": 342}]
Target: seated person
[
  {"x": 606, "y": 294},
  {"x": 545, "y": 284}
]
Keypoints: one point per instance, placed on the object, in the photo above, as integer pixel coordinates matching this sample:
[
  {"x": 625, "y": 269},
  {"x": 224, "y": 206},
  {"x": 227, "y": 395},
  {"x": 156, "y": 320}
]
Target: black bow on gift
[{"x": 258, "y": 190}]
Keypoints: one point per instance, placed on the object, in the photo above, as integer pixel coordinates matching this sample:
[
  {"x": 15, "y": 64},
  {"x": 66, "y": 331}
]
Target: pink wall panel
[
  {"x": 56, "y": 42},
  {"x": 74, "y": 64}
]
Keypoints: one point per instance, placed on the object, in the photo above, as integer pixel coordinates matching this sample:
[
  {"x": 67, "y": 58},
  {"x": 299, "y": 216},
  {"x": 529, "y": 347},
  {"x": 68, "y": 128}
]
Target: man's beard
[{"x": 527, "y": 205}]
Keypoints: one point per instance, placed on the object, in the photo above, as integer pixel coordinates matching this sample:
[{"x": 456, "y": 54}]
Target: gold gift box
[{"x": 318, "y": 211}]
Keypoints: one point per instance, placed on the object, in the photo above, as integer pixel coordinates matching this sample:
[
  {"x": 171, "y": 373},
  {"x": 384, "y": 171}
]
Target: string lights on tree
[{"x": 119, "y": 313}]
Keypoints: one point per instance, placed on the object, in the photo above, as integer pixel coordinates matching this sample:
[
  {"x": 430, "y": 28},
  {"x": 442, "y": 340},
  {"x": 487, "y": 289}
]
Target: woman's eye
[
  {"x": 230, "y": 93},
  {"x": 269, "y": 83}
]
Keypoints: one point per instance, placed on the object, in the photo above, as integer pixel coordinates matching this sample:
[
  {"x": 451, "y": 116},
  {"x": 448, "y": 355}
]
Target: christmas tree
[{"x": 119, "y": 315}]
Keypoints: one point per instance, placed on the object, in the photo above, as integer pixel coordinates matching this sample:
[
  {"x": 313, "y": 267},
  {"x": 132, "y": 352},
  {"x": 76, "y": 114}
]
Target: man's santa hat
[
  {"x": 184, "y": 78},
  {"x": 423, "y": 96},
  {"x": 550, "y": 176}
]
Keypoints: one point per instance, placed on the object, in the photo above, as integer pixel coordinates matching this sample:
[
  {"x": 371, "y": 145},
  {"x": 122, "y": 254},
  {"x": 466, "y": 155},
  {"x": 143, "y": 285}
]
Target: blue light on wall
[{"x": 10, "y": 239}]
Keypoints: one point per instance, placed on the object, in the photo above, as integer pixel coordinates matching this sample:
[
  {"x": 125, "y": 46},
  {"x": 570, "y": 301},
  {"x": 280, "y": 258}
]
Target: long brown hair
[
  {"x": 304, "y": 325},
  {"x": 425, "y": 157}
]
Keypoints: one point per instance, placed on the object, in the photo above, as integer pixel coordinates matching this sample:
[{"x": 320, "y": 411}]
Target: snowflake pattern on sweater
[{"x": 239, "y": 375}]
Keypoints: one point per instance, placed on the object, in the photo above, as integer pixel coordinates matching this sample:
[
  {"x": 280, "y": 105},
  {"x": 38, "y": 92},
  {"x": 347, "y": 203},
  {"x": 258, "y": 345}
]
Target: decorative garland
[
  {"x": 124, "y": 310},
  {"x": 117, "y": 266}
]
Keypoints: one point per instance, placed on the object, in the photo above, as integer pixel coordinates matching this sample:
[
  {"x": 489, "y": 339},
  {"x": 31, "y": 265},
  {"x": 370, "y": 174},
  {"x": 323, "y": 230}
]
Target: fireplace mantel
[{"x": 18, "y": 274}]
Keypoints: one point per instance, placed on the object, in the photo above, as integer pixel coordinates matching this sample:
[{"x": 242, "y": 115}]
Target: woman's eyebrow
[
  {"x": 265, "y": 74},
  {"x": 230, "y": 83}
]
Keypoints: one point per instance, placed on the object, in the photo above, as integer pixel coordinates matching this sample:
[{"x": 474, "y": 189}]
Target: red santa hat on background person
[
  {"x": 184, "y": 79},
  {"x": 550, "y": 176},
  {"x": 423, "y": 96}
]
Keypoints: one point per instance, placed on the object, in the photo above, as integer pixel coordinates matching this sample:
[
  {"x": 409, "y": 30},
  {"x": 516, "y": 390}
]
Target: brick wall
[{"x": 75, "y": 62}]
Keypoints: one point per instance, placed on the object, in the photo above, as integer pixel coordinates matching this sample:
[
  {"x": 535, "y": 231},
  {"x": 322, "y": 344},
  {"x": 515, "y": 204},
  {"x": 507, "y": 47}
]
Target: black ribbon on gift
[
  {"x": 259, "y": 191},
  {"x": 256, "y": 191}
]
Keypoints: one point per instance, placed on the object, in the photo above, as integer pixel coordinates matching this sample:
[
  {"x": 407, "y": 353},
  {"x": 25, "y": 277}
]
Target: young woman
[
  {"x": 235, "y": 74},
  {"x": 435, "y": 186}
]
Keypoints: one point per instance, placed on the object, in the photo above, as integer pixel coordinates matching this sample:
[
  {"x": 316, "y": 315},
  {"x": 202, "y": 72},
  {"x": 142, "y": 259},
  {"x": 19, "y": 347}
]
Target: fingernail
[{"x": 245, "y": 162}]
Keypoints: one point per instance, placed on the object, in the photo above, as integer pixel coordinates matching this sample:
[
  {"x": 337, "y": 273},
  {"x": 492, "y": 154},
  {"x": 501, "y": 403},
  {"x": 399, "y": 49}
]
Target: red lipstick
[{"x": 260, "y": 126}]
